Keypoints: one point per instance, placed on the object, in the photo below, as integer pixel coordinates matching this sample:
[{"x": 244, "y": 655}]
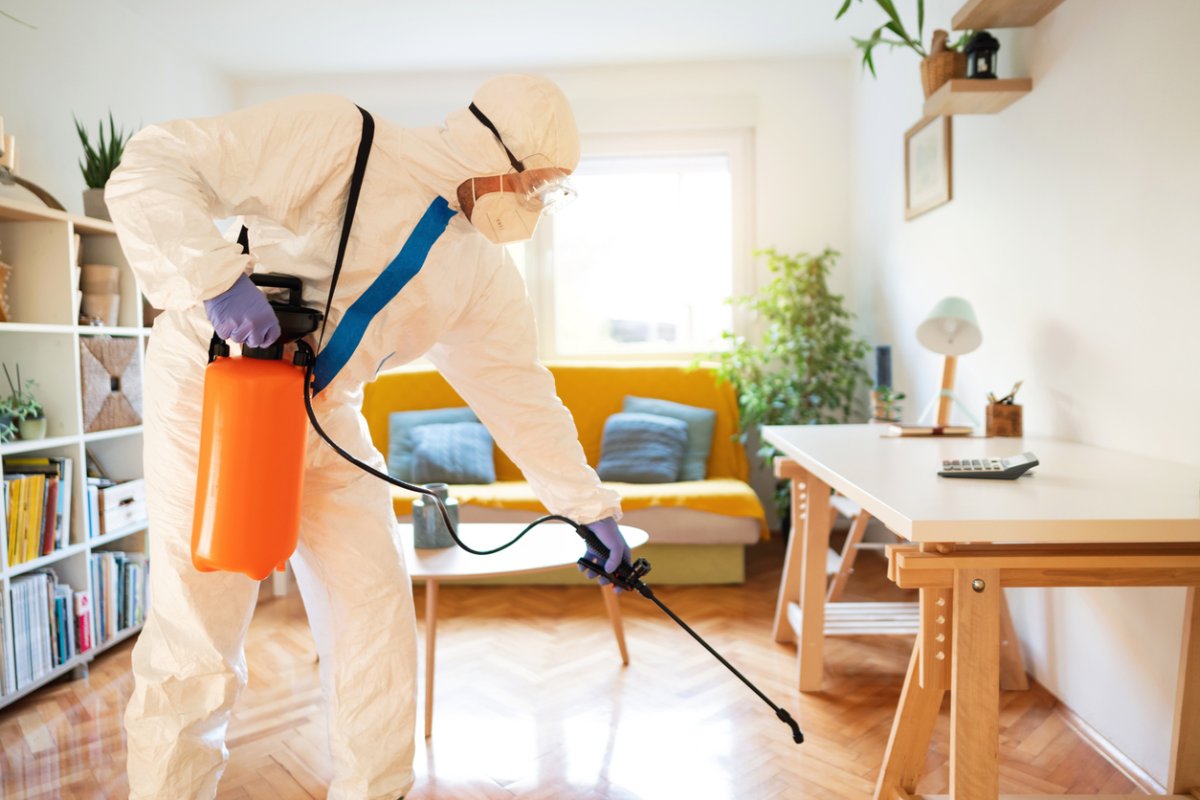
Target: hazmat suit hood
[{"x": 530, "y": 112}]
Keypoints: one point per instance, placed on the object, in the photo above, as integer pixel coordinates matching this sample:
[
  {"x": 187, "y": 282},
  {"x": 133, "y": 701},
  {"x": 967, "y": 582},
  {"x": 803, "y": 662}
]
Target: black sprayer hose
[{"x": 626, "y": 576}]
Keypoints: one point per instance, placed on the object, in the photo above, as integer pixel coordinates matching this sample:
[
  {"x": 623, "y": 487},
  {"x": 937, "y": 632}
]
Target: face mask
[{"x": 502, "y": 218}]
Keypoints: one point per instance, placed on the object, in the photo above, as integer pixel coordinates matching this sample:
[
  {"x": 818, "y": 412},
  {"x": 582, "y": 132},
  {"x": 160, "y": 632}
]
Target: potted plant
[
  {"x": 943, "y": 60},
  {"x": 8, "y": 429},
  {"x": 807, "y": 365},
  {"x": 885, "y": 404},
  {"x": 25, "y": 407},
  {"x": 98, "y": 164}
]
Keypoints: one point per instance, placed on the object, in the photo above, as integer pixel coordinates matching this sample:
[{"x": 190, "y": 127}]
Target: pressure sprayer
[{"x": 247, "y": 516}]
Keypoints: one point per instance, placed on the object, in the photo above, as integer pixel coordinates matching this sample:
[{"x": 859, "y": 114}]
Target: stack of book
[
  {"x": 46, "y": 633},
  {"x": 119, "y": 587},
  {"x": 37, "y": 496}
]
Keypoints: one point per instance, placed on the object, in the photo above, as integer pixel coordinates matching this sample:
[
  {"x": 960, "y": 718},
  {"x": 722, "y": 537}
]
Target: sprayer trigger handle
[{"x": 593, "y": 541}]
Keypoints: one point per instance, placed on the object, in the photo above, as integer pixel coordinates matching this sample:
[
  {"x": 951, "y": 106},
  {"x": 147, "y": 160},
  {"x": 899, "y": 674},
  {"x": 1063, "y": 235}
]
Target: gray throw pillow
[
  {"x": 400, "y": 428},
  {"x": 452, "y": 452},
  {"x": 700, "y": 422},
  {"x": 642, "y": 448}
]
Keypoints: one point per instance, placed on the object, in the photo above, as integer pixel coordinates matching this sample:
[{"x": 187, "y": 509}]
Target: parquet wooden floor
[{"x": 532, "y": 703}]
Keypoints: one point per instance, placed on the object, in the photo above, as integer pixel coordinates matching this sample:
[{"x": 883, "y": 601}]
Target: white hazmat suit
[{"x": 284, "y": 168}]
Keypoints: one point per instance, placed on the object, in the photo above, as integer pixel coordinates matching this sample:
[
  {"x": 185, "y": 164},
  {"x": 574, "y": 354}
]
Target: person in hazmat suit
[{"x": 447, "y": 196}]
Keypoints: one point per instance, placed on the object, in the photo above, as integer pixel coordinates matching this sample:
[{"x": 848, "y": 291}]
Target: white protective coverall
[{"x": 284, "y": 167}]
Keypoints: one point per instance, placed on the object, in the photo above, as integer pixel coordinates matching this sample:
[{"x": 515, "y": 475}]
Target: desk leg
[
  {"x": 613, "y": 607},
  {"x": 917, "y": 713},
  {"x": 812, "y": 586},
  {"x": 789, "y": 581},
  {"x": 1185, "y": 740},
  {"x": 975, "y": 686},
  {"x": 431, "y": 598}
]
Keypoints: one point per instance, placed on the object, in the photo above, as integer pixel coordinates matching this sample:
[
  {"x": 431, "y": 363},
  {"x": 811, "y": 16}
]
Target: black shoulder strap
[{"x": 356, "y": 182}]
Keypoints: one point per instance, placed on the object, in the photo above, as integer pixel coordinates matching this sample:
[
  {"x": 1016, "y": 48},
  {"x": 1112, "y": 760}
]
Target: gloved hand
[
  {"x": 242, "y": 314},
  {"x": 609, "y": 534}
]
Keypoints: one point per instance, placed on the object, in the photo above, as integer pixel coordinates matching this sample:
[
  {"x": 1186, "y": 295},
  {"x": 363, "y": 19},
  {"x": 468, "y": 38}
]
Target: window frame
[{"x": 734, "y": 143}]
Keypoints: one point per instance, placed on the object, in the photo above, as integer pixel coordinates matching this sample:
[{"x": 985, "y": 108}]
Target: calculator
[{"x": 1002, "y": 469}]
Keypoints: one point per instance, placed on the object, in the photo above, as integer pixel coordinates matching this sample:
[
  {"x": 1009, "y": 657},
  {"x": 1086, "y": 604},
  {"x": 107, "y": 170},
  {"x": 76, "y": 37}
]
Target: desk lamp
[{"x": 952, "y": 330}]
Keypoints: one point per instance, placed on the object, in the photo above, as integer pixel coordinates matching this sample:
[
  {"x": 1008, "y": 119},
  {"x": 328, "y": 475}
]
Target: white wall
[
  {"x": 799, "y": 109},
  {"x": 84, "y": 59},
  {"x": 1073, "y": 232}
]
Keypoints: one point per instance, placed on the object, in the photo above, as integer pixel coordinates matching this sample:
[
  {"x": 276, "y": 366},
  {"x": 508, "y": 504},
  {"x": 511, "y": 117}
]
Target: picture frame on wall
[{"x": 928, "y": 173}]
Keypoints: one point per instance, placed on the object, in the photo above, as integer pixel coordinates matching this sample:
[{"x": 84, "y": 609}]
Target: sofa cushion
[
  {"x": 642, "y": 448},
  {"x": 452, "y": 452},
  {"x": 699, "y": 423},
  {"x": 726, "y": 496},
  {"x": 400, "y": 440}
]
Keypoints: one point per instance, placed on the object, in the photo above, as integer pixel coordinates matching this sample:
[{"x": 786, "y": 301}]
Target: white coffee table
[{"x": 546, "y": 547}]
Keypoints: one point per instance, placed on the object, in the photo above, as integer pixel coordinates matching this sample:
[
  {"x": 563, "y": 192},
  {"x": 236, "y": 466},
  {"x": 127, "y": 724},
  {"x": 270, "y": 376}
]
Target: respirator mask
[{"x": 506, "y": 208}]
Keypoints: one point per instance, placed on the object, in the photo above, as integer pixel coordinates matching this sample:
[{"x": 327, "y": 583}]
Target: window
[{"x": 643, "y": 262}]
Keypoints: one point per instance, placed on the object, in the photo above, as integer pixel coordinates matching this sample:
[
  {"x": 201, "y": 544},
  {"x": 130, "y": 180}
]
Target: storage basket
[{"x": 112, "y": 383}]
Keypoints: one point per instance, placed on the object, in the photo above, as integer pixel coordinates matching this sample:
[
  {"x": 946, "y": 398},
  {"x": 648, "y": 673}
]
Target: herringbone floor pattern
[{"x": 532, "y": 703}]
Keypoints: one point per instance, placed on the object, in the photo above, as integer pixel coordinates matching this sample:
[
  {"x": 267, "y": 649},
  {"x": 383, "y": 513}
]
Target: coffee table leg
[
  {"x": 613, "y": 607},
  {"x": 1185, "y": 741},
  {"x": 431, "y": 598}
]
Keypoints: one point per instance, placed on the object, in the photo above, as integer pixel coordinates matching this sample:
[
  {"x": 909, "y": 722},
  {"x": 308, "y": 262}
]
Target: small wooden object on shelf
[
  {"x": 1004, "y": 419},
  {"x": 966, "y": 96}
]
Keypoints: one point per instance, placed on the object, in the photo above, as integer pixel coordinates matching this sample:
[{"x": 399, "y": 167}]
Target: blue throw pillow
[
  {"x": 642, "y": 448},
  {"x": 700, "y": 422},
  {"x": 400, "y": 428},
  {"x": 452, "y": 452}
]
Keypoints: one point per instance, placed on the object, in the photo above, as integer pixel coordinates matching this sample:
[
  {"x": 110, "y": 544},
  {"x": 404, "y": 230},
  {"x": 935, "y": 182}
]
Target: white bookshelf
[{"x": 44, "y": 337}]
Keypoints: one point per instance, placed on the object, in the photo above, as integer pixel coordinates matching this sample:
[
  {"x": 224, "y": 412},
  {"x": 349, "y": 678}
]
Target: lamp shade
[{"x": 951, "y": 328}]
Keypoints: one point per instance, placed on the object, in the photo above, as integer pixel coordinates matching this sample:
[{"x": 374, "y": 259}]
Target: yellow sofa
[{"x": 698, "y": 529}]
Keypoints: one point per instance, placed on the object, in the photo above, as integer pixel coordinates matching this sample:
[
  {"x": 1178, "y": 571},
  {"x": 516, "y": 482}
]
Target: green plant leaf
[
  {"x": 845, "y": 7},
  {"x": 921, "y": 21}
]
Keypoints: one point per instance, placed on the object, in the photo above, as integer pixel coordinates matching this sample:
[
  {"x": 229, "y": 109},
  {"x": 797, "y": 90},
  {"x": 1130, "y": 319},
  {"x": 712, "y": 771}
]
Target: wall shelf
[
  {"x": 977, "y": 14},
  {"x": 967, "y": 96}
]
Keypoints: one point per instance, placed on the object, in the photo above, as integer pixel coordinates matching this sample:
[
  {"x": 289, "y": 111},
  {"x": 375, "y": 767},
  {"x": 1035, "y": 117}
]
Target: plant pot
[
  {"x": 33, "y": 428},
  {"x": 94, "y": 205},
  {"x": 941, "y": 67}
]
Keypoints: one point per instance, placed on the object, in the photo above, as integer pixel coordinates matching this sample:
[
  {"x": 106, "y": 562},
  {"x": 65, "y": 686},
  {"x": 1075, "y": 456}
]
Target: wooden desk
[
  {"x": 546, "y": 547},
  {"x": 1085, "y": 517}
]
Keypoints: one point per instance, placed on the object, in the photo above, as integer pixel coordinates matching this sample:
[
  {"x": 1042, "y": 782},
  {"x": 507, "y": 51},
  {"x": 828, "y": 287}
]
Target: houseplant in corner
[
  {"x": 807, "y": 364},
  {"x": 941, "y": 62},
  {"x": 98, "y": 164}
]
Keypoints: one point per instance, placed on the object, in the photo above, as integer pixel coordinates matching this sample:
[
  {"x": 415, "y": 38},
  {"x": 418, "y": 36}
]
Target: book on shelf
[
  {"x": 37, "y": 494},
  {"x": 119, "y": 592},
  {"x": 43, "y": 628}
]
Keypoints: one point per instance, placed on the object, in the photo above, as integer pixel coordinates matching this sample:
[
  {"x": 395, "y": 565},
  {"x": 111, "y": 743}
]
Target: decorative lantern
[{"x": 981, "y": 55}]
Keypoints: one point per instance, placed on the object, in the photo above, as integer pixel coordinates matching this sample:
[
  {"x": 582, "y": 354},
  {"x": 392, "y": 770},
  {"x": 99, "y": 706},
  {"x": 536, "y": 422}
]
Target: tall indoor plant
[
  {"x": 807, "y": 364},
  {"x": 99, "y": 162}
]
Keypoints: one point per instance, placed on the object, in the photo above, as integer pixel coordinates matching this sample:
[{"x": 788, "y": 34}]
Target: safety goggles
[{"x": 537, "y": 184}]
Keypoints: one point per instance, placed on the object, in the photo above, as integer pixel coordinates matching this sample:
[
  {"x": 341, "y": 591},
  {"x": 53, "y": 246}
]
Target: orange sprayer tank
[{"x": 253, "y": 438}]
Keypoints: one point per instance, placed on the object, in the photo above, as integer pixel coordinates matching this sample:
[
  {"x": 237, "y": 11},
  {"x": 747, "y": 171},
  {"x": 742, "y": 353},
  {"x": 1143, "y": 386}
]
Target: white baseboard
[{"x": 1130, "y": 769}]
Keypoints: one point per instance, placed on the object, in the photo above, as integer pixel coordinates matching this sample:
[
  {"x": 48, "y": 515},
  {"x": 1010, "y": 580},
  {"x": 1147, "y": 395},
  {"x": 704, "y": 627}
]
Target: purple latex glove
[
  {"x": 606, "y": 531},
  {"x": 242, "y": 314}
]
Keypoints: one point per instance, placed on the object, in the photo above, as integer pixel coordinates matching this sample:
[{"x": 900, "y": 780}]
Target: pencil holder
[{"x": 1003, "y": 419}]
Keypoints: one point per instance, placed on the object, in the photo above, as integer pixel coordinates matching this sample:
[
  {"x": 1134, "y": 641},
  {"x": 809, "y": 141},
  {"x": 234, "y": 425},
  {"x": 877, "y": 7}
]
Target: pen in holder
[{"x": 1003, "y": 419}]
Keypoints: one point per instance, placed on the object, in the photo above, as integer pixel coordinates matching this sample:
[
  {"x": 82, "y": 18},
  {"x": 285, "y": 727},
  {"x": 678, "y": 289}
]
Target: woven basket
[
  {"x": 112, "y": 383},
  {"x": 941, "y": 67}
]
